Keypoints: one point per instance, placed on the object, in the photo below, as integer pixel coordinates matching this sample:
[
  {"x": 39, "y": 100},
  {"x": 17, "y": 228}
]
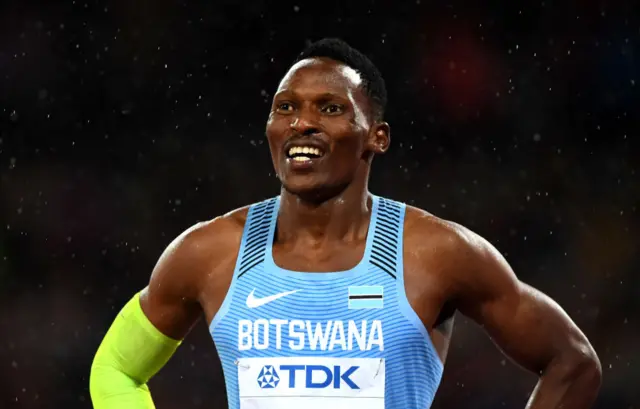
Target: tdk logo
[
  {"x": 268, "y": 377},
  {"x": 311, "y": 376}
]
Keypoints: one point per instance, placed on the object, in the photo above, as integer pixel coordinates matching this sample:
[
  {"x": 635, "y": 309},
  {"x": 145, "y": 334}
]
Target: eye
[
  {"x": 332, "y": 109},
  {"x": 284, "y": 107}
]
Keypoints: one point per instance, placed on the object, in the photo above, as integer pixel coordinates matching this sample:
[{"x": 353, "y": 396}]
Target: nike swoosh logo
[{"x": 253, "y": 302}]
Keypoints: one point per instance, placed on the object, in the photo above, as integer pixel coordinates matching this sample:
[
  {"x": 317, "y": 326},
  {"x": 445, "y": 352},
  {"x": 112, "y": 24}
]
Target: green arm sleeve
[{"x": 132, "y": 351}]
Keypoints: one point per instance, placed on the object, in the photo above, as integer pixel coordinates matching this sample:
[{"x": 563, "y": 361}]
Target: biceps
[
  {"x": 170, "y": 313},
  {"x": 529, "y": 327},
  {"x": 170, "y": 301}
]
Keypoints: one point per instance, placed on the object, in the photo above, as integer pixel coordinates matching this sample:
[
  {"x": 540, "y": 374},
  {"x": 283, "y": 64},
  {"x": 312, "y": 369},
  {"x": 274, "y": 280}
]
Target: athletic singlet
[{"x": 338, "y": 340}]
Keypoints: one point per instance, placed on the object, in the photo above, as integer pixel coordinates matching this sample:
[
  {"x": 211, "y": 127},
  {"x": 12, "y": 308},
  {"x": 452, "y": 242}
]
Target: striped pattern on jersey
[{"x": 362, "y": 313}]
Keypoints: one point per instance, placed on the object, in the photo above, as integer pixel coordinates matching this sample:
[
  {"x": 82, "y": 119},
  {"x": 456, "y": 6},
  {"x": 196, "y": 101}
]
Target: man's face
[{"x": 319, "y": 127}]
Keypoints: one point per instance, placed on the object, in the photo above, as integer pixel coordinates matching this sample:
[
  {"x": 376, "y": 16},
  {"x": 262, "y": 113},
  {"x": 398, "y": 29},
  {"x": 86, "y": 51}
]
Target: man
[{"x": 329, "y": 296}]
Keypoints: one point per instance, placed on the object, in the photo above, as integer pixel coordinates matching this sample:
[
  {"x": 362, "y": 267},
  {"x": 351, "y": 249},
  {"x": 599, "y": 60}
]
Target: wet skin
[{"x": 322, "y": 226}]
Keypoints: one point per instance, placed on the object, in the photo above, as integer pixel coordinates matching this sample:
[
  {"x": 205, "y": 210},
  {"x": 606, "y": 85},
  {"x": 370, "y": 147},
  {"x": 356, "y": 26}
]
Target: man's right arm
[{"x": 149, "y": 329}]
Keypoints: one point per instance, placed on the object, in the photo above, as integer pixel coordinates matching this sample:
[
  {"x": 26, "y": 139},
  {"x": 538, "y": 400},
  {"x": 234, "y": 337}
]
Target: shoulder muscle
[{"x": 172, "y": 298}]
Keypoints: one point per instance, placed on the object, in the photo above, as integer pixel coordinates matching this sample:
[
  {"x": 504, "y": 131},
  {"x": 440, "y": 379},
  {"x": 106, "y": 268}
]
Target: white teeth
[
  {"x": 305, "y": 150},
  {"x": 301, "y": 158}
]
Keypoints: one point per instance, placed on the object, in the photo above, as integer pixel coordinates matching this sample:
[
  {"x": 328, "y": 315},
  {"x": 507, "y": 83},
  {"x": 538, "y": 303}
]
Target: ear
[{"x": 379, "y": 138}]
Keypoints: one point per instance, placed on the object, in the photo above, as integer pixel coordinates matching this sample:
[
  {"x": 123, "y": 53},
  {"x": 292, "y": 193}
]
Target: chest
[
  {"x": 348, "y": 313},
  {"x": 319, "y": 258},
  {"x": 425, "y": 290}
]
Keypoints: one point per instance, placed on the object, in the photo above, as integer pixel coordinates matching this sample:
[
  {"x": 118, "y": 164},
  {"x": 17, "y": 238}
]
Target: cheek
[
  {"x": 276, "y": 136},
  {"x": 351, "y": 143}
]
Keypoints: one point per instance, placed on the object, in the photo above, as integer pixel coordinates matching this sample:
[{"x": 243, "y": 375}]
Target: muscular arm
[
  {"x": 148, "y": 330},
  {"x": 526, "y": 324}
]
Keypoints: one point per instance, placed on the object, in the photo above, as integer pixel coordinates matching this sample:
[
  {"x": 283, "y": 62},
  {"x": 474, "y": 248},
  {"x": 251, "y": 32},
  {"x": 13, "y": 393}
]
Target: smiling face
[{"x": 320, "y": 128}]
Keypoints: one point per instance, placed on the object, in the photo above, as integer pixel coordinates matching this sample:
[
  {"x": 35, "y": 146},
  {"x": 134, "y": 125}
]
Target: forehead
[{"x": 321, "y": 75}]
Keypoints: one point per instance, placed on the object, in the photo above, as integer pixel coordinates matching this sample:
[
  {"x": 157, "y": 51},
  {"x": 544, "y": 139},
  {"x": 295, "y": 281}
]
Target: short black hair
[{"x": 338, "y": 50}]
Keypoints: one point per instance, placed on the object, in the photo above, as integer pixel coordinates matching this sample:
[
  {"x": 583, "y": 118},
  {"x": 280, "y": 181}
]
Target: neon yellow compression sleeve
[{"x": 132, "y": 351}]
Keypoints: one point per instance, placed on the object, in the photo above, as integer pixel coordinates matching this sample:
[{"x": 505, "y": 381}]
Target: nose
[{"x": 304, "y": 125}]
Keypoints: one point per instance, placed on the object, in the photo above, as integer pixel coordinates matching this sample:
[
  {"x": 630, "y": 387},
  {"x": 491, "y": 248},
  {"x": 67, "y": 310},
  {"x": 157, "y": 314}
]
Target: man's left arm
[{"x": 527, "y": 325}]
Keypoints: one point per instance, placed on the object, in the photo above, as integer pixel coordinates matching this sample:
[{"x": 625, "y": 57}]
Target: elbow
[
  {"x": 591, "y": 370},
  {"x": 581, "y": 363}
]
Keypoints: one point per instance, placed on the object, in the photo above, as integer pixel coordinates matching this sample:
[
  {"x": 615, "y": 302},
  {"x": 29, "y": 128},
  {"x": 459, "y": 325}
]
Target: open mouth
[{"x": 304, "y": 153}]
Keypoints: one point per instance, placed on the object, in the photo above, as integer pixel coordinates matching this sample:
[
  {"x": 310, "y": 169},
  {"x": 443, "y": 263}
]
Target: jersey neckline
[{"x": 273, "y": 268}]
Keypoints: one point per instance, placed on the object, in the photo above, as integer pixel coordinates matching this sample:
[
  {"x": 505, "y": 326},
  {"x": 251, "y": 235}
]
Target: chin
[
  {"x": 312, "y": 189},
  {"x": 302, "y": 187}
]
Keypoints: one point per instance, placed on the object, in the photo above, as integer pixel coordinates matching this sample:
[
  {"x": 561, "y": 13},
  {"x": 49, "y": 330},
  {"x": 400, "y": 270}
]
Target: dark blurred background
[{"x": 123, "y": 123}]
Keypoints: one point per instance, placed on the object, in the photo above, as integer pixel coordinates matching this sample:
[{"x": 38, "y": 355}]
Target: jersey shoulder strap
[
  {"x": 388, "y": 227},
  {"x": 255, "y": 235}
]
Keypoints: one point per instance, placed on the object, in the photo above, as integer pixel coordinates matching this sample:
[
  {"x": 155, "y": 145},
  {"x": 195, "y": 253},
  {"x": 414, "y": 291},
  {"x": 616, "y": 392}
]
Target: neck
[{"x": 344, "y": 216}]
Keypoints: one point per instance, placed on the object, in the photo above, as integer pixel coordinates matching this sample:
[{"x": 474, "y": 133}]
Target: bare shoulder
[
  {"x": 196, "y": 253},
  {"x": 209, "y": 239},
  {"x": 463, "y": 258},
  {"x": 197, "y": 259},
  {"x": 426, "y": 232},
  {"x": 437, "y": 257},
  {"x": 213, "y": 237}
]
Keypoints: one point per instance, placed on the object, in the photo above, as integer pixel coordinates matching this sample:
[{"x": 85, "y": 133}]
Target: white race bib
[{"x": 311, "y": 383}]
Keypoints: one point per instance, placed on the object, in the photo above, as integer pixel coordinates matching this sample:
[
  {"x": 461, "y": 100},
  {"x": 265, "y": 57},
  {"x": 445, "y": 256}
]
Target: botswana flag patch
[{"x": 365, "y": 296}]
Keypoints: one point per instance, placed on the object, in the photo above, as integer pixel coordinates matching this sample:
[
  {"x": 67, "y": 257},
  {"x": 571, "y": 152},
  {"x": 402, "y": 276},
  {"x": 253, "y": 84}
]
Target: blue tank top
[{"x": 338, "y": 340}]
